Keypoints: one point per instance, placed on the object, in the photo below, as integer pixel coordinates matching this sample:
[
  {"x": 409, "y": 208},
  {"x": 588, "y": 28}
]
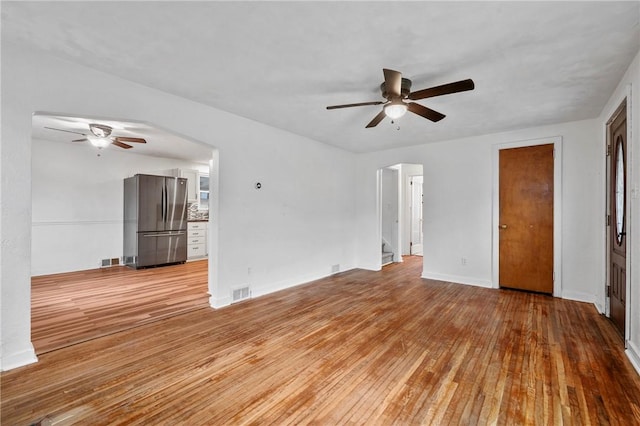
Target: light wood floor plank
[
  {"x": 78, "y": 306},
  {"x": 358, "y": 347}
]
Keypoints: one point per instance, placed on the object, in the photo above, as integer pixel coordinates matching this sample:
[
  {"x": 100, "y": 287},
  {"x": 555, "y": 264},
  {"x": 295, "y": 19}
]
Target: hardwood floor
[
  {"x": 74, "y": 307},
  {"x": 359, "y": 347}
]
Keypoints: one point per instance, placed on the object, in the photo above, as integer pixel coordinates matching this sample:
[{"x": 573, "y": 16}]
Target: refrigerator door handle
[
  {"x": 164, "y": 234},
  {"x": 162, "y": 204},
  {"x": 166, "y": 203}
]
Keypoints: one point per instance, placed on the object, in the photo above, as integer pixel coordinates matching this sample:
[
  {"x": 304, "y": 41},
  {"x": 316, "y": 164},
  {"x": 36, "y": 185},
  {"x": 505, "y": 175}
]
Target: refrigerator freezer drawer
[{"x": 159, "y": 248}]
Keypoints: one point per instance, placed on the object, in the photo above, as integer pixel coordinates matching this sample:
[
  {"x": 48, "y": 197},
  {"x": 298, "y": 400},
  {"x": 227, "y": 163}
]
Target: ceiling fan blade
[
  {"x": 377, "y": 119},
  {"x": 120, "y": 144},
  {"x": 355, "y": 105},
  {"x": 425, "y": 112},
  {"x": 80, "y": 140},
  {"x": 131, "y": 140},
  {"x": 68, "y": 131},
  {"x": 392, "y": 82},
  {"x": 445, "y": 89}
]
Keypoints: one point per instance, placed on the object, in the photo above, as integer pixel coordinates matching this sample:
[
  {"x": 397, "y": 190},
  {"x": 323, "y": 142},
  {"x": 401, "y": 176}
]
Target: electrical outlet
[{"x": 463, "y": 261}]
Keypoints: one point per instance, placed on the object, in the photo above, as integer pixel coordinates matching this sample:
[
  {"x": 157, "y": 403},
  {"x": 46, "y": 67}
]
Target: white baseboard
[
  {"x": 282, "y": 285},
  {"x": 20, "y": 359},
  {"x": 370, "y": 267},
  {"x": 633, "y": 354},
  {"x": 579, "y": 297},
  {"x": 457, "y": 279},
  {"x": 599, "y": 308},
  {"x": 220, "y": 302},
  {"x": 256, "y": 291}
]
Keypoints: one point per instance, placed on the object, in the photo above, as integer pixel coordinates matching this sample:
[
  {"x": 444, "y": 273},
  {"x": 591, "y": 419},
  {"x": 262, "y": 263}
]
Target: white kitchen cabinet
[
  {"x": 193, "y": 184},
  {"x": 196, "y": 240},
  {"x": 195, "y": 251},
  {"x": 203, "y": 192}
]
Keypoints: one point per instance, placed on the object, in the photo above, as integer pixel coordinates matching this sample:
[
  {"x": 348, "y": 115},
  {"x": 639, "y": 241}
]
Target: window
[{"x": 203, "y": 196}]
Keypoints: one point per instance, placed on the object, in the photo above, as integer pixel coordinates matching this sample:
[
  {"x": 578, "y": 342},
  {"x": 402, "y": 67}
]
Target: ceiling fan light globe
[
  {"x": 99, "y": 142},
  {"x": 395, "y": 110},
  {"x": 100, "y": 130}
]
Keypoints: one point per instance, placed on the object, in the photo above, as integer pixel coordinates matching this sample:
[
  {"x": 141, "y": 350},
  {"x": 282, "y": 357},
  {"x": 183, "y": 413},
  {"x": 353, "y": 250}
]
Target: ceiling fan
[
  {"x": 100, "y": 137},
  {"x": 396, "y": 90}
]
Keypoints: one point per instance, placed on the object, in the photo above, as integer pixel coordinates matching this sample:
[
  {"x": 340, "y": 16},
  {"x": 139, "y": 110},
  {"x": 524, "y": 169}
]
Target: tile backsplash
[{"x": 194, "y": 214}]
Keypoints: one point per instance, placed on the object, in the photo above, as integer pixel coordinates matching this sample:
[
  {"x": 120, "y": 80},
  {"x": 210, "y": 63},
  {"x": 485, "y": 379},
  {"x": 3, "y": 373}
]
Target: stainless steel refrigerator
[{"x": 155, "y": 220}]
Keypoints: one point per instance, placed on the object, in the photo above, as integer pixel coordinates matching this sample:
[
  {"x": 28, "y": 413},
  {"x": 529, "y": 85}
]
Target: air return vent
[
  {"x": 109, "y": 262},
  {"x": 239, "y": 294}
]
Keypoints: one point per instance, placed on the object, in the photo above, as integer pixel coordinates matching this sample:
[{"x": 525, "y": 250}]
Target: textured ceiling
[
  {"x": 160, "y": 143},
  {"x": 533, "y": 63}
]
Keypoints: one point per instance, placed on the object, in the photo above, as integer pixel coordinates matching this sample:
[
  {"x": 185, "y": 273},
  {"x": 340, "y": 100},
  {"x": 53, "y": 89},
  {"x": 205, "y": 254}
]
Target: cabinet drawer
[
  {"x": 196, "y": 240},
  {"x": 197, "y": 225},
  {"x": 196, "y": 250},
  {"x": 196, "y": 233}
]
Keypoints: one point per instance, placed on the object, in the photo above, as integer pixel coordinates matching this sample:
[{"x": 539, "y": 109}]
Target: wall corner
[{"x": 18, "y": 359}]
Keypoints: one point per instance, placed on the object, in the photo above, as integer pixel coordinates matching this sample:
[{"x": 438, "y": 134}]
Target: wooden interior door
[
  {"x": 617, "y": 221},
  {"x": 526, "y": 218}
]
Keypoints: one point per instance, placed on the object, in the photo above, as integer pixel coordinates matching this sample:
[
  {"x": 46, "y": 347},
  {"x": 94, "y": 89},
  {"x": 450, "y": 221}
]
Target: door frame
[
  {"x": 557, "y": 208},
  {"x": 410, "y": 179},
  {"x": 397, "y": 242},
  {"x": 605, "y": 301}
]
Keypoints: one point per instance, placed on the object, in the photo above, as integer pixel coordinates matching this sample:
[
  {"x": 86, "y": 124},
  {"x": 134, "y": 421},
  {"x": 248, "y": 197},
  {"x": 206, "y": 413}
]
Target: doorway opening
[
  {"x": 401, "y": 210},
  {"x": 415, "y": 208},
  {"x": 80, "y": 288}
]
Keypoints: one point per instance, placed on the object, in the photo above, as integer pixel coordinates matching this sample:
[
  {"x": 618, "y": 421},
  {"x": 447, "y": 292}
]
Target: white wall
[
  {"x": 291, "y": 231},
  {"x": 313, "y": 196},
  {"x": 77, "y": 202},
  {"x": 458, "y": 184},
  {"x": 629, "y": 87}
]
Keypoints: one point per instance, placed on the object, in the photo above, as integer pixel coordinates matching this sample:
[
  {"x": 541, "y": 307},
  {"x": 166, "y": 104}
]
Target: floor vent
[
  {"x": 240, "y": 294},
  {"x": 109, "y": 262},
  {"x": 335, "y": 268}
]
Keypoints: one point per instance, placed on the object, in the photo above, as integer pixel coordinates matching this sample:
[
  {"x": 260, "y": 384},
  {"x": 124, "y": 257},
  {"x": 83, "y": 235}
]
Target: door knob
[{"x": 502, "y": 226}]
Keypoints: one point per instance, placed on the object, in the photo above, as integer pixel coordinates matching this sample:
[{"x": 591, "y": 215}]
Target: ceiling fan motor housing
[{"x": 405, "y": 88}]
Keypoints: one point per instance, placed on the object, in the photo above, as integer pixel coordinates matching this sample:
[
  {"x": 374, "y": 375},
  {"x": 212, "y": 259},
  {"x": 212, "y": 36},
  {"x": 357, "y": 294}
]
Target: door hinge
[
  {"x": 609, "y": 150},
  {"x": 608, "y": 291},
  {"x": 608, "y": 220}
]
